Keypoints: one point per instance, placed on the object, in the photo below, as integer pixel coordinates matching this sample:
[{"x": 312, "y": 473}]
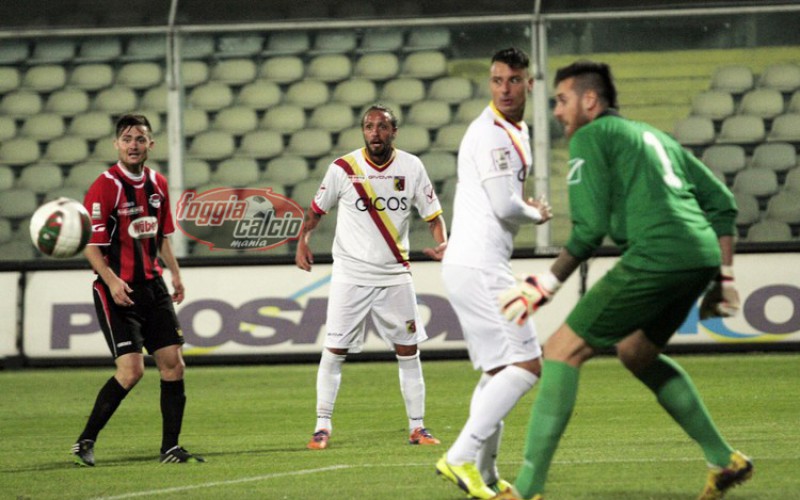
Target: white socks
[
  {"x": 491, "y": 402},
  {"x": 412, "y": 386},
  {"x": 329, "y": 377}
]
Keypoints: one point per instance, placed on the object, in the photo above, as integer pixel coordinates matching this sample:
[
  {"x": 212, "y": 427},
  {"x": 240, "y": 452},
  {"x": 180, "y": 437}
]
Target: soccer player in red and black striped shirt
[{"x": 130, "y": 211}]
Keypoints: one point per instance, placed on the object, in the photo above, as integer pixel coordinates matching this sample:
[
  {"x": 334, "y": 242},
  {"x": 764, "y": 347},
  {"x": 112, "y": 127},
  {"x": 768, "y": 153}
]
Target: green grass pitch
[{"x": 252, "y": 424}]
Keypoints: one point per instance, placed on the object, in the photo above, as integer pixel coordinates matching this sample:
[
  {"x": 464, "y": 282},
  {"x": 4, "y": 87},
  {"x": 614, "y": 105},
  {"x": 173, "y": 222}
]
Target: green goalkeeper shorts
[{"x": 628, "y": 299}]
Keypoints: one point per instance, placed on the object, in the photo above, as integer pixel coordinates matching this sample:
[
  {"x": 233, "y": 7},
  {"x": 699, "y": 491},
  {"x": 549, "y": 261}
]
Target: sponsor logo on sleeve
[
  {"x": 574, "y": 174},
  {"x": 501, "y": 158}
]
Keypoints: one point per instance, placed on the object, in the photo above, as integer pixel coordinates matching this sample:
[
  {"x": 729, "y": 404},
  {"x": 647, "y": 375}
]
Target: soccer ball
[{"x": 61, "y": 228}]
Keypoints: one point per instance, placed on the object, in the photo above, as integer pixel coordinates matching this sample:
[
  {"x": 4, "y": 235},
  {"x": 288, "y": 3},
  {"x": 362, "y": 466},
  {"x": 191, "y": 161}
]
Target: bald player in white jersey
[
  {"x": 493, "y": 162},
  {"x": 375, "y": 189}
]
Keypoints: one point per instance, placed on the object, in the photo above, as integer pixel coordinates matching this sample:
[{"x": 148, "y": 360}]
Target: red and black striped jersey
[{"x": 130, "y": 217}]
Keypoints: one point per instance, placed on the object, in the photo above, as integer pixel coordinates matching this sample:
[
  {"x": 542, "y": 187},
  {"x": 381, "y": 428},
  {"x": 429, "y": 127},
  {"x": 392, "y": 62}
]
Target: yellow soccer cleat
[
  {"x": 422, "y": 436},
  {"x": 499, "y": 486},
  {"x": 511, "y": 493},
  {"x": 720, "y": 479},
  {"x": 319, "y": 441},
  {"x": 465, "y": 476}
]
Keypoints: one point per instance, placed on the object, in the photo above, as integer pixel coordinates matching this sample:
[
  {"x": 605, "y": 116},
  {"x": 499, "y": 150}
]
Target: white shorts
[
  {"x": 393, "y": 310},
  {"x": 492, "y": 340}
]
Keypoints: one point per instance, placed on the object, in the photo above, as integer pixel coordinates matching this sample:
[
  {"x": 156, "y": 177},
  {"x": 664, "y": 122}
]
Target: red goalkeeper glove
[
  {"x": 721, "y": 299},
  {"x": 529, "y": 294}
]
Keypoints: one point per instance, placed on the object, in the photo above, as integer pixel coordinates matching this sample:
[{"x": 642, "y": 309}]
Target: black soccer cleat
[
  {"x": 178, "y": 455},
  {"x": 83, "y": 453}
]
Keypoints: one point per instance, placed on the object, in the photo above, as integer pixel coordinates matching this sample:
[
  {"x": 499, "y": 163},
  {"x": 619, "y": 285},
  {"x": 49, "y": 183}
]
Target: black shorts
[{"x": 150, "y": 323}]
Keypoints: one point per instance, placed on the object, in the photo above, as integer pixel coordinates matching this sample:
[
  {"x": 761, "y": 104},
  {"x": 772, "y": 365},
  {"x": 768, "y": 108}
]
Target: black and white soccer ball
[{"x": 61, "y": 228}]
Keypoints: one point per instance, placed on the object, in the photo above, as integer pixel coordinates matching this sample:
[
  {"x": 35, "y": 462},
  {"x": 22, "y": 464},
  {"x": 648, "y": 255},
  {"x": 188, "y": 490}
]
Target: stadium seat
[
  {"x": 377, "y": 66},
  {"x": 19, "y": 151},
  {"x": 45, "y": 78},
  {"x": 155, "y": 99},
  {"x": 196, "y": 172},
  {"x": 40, "y": 177},
  {"x": 236, "y": 120},
  {"x": 52, "y": 50},
  {"x": 285, "y": 170},
  {"x": 792, "y": 181},
  {"x": 777, "y": 156},
  {"x": 440, "y": 165},
  {"x": 116, "y": 100},
  {"x": 284, "y": 118},
  {"x": 694, "y": 131},
  {"x": 239, "y": 45},
  {"x": 20, "y": 104},
  {"x": 334, "y": 41},
  {"x": 259, "y": 95},
  {"x": 5, "y": 230},
  {"x": 382, "y": 40},
  {"x": 196, "y": 46},
  {"x": 470, "y": 109},
  {"x": 448, "y": 138},
  {"x": 329, "y": 68},
  {"x": 8, "y": 128},
  {"x": 307, "y": 94},
  {"x": 99, "y": 49},
  {"x": 234, "y": 72},
  {"x": 414, "y": 139},
  {"x": 236, "y": 172},
  {"x": 195, "y": 121},
  {"x": 725, "y": 158},
  {"x": 194, "y": 73},
  {"x": 43, "y": 127},
  {"x": 785, "y": 128},
  {"x": 714, "y": 104},
  {"x": 92, "y": 126},
  {"x": 104, "y": 151},
  {"x": 426, "y": 64},
  {"x": 349, "y": 140},
  {"x": 9, "y": 79},
  {"x": 428, "y": 38},
  {"x": 75, "y": 193},
  {"x": 403, "y": 91},
  {"x": 760, "y": 183},
  {"x": 13, "y": 51},
  {"x": 261, "y": 144},
  {"x": 282, "y": 69},
  {"x": 67, "y": 102},
  {"x": 212, "y": 145},
  {"x": 355, "y": 92},
  {"x": 784, "y": 207},
  {"x": 429, "y": 113},
  {"x": 17, "y": 203},
  {"x": 288, "y": 43},
  {"x": 333, "y": 117},
  {"x": 784, "y": 77},
  {"x": 91, "y": 77},
  {"x": 304, "y": 191},
  {"x": 310, "y": 143},
  {"x": 448, "y": 192},
  {"x": 769, "y": 231},
  {"x": 794, "y": 103},
  {"x": 736, "y": 79},
  {"x": 67, "y": 150},
  {"x": 761, "y": 102},
  {"x": 746, "y": 130},
  {"x": 749, "y": 212},
  {"x": 140, "y": 75},
  {"x": 17, "y": 250},
  {"x": 146, "y": 48},
  {"x": 7, "y": 180},
  {"x": 451, "y": 89},
  {"x": 211, "y": 96}
]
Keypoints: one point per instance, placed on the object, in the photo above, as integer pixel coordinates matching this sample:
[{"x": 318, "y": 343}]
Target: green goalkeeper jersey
[{"x": 661, "y": 205}]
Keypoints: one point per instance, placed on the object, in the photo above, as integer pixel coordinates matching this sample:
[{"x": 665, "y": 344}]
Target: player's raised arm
[{"x": 304, "y": 258}]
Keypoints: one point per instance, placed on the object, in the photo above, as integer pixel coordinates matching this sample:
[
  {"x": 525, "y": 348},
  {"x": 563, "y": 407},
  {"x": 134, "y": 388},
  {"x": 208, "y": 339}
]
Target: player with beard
[
  {"x": 131, "y": 219},
  {"x": 375, "y": 188}
]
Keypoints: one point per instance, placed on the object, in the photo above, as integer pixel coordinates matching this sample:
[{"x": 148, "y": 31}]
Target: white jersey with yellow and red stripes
[
  {"x": 370, "y": 246},
  {"x": 491, "y": 147}
]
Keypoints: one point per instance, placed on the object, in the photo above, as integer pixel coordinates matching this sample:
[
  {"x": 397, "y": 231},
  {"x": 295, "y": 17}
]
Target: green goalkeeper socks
[
  {"x": 677, "y": 394},
  {"x": 558, "y": 390}
]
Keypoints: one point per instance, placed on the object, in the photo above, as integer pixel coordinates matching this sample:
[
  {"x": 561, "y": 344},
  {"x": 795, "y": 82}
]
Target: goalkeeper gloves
[
  {"x": 530, "y": 293},
  {"x": 721, "y": 299}
]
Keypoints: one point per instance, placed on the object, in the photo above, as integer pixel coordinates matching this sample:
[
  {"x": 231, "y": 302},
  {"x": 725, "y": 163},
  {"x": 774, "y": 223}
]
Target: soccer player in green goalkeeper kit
[{"x": 674, "y": 222}]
